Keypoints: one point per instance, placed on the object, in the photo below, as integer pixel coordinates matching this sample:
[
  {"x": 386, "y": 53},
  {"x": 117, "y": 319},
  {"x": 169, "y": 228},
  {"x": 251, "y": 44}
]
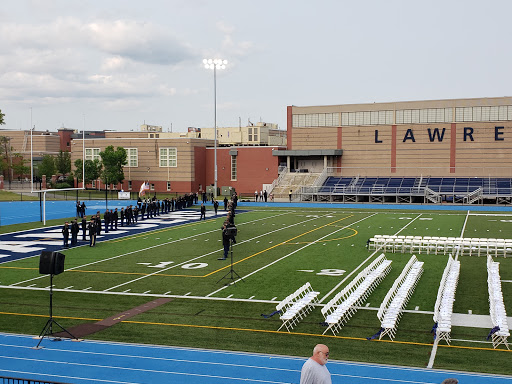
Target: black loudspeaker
[{"x": 51, "y": 263}]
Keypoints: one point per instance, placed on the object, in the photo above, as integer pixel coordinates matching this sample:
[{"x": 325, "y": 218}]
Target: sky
[{"x": 117, "y": 64}]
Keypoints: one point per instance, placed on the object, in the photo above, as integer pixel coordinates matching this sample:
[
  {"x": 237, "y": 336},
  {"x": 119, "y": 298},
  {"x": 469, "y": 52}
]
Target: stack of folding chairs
[
  {"x": 500, "y": 331},
  {"x": 296, "y": 306},
  {"x": 397, "y": 297},
  {"x": 342, "y": 306},
  {"x": 443, "y": 308}
]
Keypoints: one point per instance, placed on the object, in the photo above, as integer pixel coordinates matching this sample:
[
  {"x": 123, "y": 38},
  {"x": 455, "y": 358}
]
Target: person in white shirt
[{"x": 314, "y": 370}]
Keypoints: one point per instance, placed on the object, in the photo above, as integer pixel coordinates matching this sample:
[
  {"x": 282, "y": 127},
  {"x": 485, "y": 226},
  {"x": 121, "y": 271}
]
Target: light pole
[{"x": 215, "y": 64}]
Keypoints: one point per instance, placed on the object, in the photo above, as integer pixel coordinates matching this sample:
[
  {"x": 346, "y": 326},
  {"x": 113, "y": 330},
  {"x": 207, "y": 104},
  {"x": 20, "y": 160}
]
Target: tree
[
  {"x": 92, "y": 170},
  {"x": 2, "y": 115},
  {"x": 63, "y": 162},
  {"x": 19, "y": 166},
  {"x": 113, "y": 162},
  {"x": 6, "y": 154},
  {"x": 47, "y": 166}
]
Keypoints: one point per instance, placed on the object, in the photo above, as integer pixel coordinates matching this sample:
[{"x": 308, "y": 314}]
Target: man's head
[
  {"x": 450, "y": 381},
  {"x": 321, "y": 354}
]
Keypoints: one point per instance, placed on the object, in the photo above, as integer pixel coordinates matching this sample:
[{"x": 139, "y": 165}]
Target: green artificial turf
[{"x": 277, "y": 251}]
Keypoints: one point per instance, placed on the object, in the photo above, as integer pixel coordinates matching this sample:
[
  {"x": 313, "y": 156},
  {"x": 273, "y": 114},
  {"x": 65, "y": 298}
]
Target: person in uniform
[
  {"x": 65, "y": 234},
  {"x": 92, "y": 232},
  {"x": 226, "y": 239},
  {"x": 98, "y": 223},
  {"x": 215, "y": 206},
  {"x": 116, "y": 217},
  {"x": 111, "y": 219},
  {"x": 84, "y": 228},
  {"x": 106, "y": 219},
  {"x": 135, "y": 214},
  {"x": 74, "y": 232},
  {"x": 203, "y": 212},
  {"x": 122, "y": 217}
]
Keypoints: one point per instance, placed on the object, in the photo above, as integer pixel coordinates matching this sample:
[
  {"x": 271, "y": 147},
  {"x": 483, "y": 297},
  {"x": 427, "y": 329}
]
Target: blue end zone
[{"x": 22, "y": 244}]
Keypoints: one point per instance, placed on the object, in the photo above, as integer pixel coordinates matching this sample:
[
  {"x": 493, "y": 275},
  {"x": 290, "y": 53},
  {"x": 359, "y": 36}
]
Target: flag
[{"x": 143, "y": 188}]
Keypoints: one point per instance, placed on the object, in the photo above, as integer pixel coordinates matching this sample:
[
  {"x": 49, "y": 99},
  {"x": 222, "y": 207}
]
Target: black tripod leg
[
  {"x": 65, "y": 330},
  {"x": 45, "y": 332}
]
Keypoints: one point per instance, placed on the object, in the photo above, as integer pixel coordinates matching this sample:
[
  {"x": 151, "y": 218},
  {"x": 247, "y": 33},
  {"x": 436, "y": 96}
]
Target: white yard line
[
  {"x": 140, "y": 250},
  {"x": 290, "y": 254},
  {"x": 336, "y": 287},
  {"x": 206, "y": 254}
]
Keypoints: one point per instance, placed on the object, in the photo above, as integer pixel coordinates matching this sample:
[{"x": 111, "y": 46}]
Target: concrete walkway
[{"x": 474, "y": 321}]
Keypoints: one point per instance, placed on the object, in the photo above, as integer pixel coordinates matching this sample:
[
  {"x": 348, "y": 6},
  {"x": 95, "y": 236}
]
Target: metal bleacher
[{"x": 468, "y": 190}]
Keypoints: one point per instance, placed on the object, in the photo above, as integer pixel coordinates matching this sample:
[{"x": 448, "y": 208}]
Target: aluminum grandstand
[{"x": 411, "y": 190}]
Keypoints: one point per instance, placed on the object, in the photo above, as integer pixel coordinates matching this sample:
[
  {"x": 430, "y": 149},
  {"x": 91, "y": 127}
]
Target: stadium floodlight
[{"x": 215, "y": 64}]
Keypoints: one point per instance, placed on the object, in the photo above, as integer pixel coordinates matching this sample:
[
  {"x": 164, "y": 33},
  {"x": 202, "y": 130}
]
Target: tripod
[
  {"x": 231, "y": 274},
  {"x": 48, "y": 328}
]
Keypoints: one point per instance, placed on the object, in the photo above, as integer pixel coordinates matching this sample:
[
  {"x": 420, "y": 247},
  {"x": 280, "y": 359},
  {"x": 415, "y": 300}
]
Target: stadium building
[{"x": 415, "y": 151}]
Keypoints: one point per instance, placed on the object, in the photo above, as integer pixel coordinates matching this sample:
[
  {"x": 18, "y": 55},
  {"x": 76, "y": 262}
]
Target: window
[
  {"x": 168, "y": 185},
  {"x": 233, "y": 168},
  {"x": 168, "y": 157},
  {"x": 249, "y": 131},
  {"x": 316, "y": 120},
  {"x": 92, "y": 154},
  {"x": 129, "y": 185},
  {"x": 93, "y": 182},
  {"x": 131, "y": 157},
  {"x": 152, "y": 186},
  {"x": 255, "y": 137}
]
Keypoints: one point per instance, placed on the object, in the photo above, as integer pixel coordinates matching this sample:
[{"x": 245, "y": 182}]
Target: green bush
[{"x": 62, "y": 185}]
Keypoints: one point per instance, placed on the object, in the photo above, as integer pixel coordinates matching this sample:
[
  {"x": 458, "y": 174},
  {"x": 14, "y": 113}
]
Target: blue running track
[
  {"x": 103, "y": 362},
  {"x": 29, "y": 211}
]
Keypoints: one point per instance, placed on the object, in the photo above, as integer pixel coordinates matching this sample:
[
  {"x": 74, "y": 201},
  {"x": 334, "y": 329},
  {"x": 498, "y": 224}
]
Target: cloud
[
  {"x": 139, "y": 41},
  {"x": 69, "y": 58},
  {"x": 230, "y": 46}
]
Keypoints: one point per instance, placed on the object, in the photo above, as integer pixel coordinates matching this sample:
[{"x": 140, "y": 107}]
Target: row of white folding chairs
[
  {"x": 443, "y": 238},
  {"x": 338, "y": 313},
  {"x": 396, "y": 284},
  {"x": 440, "y": 290},
  {"x": 496, "y": 305},
  {"x": 296, "y": 306},
  {"x": 400, "y": 299},
  {"x": 445, "y": 310},
  {"x": 352, "y": 286},
  {"x": 442, "y": 245}
]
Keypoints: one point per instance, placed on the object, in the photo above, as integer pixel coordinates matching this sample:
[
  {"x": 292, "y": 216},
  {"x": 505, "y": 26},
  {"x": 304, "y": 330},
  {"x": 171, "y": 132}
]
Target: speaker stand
[
  {"x": 231, "y": 274},
  {"x": 48, "y": 328}
]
